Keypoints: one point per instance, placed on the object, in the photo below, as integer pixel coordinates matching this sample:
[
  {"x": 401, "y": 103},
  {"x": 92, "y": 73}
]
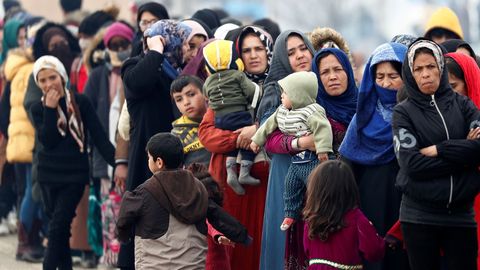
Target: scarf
[
  {"x": 340, "y": 108},
  {"x": 72, "y": 121},
  {"x": 369, "y": 136},
  {"x": 471, "y": 74},
  {"x": 10, "y": 33}
]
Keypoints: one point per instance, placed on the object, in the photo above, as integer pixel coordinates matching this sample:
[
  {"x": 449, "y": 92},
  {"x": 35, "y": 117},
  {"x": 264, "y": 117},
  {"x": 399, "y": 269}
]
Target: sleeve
[
  {"x": 139, "y": 74},
  {"x": 130, "y": 210},
  {"x": 214, "y": 139},
  {"x": 269, "y": 126},
  {"x": 5, "y": 110},
  {"x": 269, "y": 102},
  {"x": 370, "y": 244},
  {"x": 226, "y": 224},
  {"x": 34, "y": 94},
  {"x": 96, "y": 131},
  {"x": 45, "y": 123},
  {"x": 463, "y": 151},
  {"x": 124, "y": 123},
  {"x": 408, "y": 153},
  {"x": 306, "y": 241},
  {"x": 279, "y": 143},
  {"x": 121, "y": 151},
  {"x": 213, "y": 232},
  {"x": 322, "y": 131},
  {"x": 91, "y": 88}
]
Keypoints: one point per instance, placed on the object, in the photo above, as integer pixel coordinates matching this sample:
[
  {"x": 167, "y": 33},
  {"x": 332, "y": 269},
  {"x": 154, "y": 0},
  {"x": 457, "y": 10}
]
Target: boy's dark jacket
[{"x": 177, "y": 193}]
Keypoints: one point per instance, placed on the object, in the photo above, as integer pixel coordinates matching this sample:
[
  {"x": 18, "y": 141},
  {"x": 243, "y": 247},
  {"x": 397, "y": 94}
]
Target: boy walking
[{"x": 168, "y": 211}]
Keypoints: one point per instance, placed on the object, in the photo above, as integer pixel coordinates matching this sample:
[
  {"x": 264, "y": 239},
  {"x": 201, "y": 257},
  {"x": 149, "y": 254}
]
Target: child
[
  {"x": 231, "y": 96},
  {"x": 337, "y": 234},
  {"x": 186, "y": 91},
  {"x": 298, "y": 115},
  {"x": 168, "y": 211}
]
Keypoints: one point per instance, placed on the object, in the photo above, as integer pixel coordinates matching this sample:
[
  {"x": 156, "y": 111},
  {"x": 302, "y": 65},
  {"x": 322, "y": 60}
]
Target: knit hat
[
  {"x": 71, "y": 5},
  {"x": 117, "y": 29},
  {"x": 209, "y": 17},
  {"x": 404, "y": 39},
  {"x": 221, "y": 55},
  {"x": 49, "y": 62},
  {"x": 158, "y": 10},
  {"x": 92, "y": 23},
  {"x": 444, "y": 18}
]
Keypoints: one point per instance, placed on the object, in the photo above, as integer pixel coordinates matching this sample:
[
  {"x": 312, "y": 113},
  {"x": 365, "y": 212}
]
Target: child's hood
[
  {"x": 180, "y": 193},
  {"x": 301, "y": 88},
  {"x": 221, "y": 55}
]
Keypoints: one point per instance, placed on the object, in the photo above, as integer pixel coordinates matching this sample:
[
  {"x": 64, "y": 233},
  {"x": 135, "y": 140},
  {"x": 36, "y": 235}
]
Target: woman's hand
[
  {"x": 156, "y": 43},
  {"x": 306, "y": 143},
  {"x": 245, "y": 135},
  {"x": 430, "y": 151},
  {"x": 323, "y": 157},
  {"x": 474, "y": 134},
  {"x": 51, "y": 99}
]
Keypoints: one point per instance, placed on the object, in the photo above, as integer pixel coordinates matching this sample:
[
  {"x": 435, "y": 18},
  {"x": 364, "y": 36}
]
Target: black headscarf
[
  {"x": 158, "y": 10},
  {"x": 452, "y": 45},
  {"x": 209, "y": 17}
]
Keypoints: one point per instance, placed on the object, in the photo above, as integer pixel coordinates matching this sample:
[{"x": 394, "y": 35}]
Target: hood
[
  {"x": 301, "y": 88},
  {"x": 94, "y": 54},
  {"x": 452, "y": 45},
  {"x": 444, "y": 18},
  {"x": 39, "y": 50},
  {"x": 184, "y": 196},
  {"x": 325, "y": 37},
  {"x": 17, "y": 58},
  {"x": 221, "y": 55},
  {"x": 184, "y": 122}
]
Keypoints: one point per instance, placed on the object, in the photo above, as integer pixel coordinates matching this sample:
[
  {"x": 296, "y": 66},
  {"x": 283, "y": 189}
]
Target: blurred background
[{"x": 364, "y": 24}]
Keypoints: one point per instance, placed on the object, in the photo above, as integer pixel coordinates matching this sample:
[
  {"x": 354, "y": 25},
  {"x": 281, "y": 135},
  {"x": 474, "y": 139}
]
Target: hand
[
  {"x": 306, "y": 143},
  {"x": 323, "y": 157},
  {"x": 156, "y": 43},
  {"x": 245, "y": 135},
  {"x": 430, "y": 151},
  {"x": 51, "y": 98},
  {"x": 474, "y": 134},
  {"x": 120, "y": 176},
  {"x": 255, "y": 148},
  {"x": 222, "y": 240}
]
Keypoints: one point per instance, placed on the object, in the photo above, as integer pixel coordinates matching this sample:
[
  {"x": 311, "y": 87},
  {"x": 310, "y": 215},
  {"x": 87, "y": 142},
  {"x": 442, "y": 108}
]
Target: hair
[
  {"x": 324, "y": 55},
  {"x": 168, "y": 147},
  {"x": 396, "y": 65},
  {"x": 181, "y": 81},
  {"x": 200, "y": 172},
  {"x": 423, "y": 50},
  {"x": 454, "y": 68},
  {"x": 331, "y": 193}
]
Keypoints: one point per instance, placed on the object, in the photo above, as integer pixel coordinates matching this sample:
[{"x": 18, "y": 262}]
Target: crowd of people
[{"x": 206, "y": 143}]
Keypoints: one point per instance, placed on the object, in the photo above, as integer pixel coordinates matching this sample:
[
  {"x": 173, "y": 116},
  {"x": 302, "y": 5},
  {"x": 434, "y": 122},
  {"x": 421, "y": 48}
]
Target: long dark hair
[{"x": 331, "y": 193}]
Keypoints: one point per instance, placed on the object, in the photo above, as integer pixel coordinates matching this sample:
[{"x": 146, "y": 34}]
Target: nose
[{"x": 386, "y": 82}]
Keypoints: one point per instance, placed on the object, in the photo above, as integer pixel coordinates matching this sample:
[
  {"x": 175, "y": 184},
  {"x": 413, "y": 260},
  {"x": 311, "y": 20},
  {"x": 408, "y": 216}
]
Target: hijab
[
  {"x": 452, "y": 45},
  {"x": 341, "y": 108},
  {"x": 369, "y": 136},
  {"x": 471, "y": 74},
  {"x": 10, "y": 33}
]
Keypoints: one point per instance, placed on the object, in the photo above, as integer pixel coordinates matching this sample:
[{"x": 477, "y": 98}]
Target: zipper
[{"x": 434, "y": 103}]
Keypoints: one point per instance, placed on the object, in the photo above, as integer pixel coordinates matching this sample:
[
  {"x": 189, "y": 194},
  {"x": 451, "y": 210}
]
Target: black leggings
[{"x": 424, "y": 244}]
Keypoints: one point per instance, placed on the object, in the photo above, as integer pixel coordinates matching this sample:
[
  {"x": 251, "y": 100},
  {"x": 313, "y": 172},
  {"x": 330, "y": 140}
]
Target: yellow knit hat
[
  {"x": 444, "y": 18},
  {"x": 221, "y": 55}
]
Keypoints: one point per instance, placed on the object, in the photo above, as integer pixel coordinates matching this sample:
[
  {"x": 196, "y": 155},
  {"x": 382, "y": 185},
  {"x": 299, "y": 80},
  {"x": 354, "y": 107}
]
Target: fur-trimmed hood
[
  {"x": 325, "y": 37},
  {"x": 94, "y": 54}
]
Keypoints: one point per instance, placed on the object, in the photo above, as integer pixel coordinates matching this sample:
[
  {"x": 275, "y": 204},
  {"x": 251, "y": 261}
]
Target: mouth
[{"x": 334, "y": 85}]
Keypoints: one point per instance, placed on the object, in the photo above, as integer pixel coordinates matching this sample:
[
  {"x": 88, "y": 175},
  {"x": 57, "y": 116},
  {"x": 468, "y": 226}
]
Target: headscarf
[
  {"x": 452, "y": 45},
  {"x": 10, "y": 33},
  {"x": 175, "y": 34},
  {"x": 73, "y": 118},
  {"x": 471, "y": 74},
  {"x": 414, "y": 94},
  {"x": 157, "y": 10},
  {"x": 404, "y": 39},
  {"x": 267, "y": 42},
  {"x": 369, "y": 136},
  {"x": 197, "y": 29},
  {"x": 341, "y": 108},
  {"x": 196, "y": 66}
]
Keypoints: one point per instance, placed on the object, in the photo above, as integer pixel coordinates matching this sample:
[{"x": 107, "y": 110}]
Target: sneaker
[
  {"x": 12, "y": 221},
  {"x": 4, "y": 230}
]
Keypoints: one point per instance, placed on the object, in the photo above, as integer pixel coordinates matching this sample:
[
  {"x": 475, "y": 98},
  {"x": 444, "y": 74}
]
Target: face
[
  {"x": 286, "y": 102},
  {"x": 254, "y": 54},
  {"x": 464, "y": 51},
  {"x": 22, "y": 37},
  {"x": 192, "y": 47},
  {"x": 332, "y": 75},
  {"x": 191, "y": 102},
  {"x": 50, "y": 80},
  {"x": 146, "y": 20},
  {"x": 457, "y": 84},
  {"x": 154, "y": 165},
  {"x": 57, "y": 39},
  {"x": 426, "y": 73},
  {"x": 387, "y": 76},
  {"x": 118, "y": 44},
  {"x": 299, "y": 56}
]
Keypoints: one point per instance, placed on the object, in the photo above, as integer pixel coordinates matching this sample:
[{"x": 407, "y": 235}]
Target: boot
[
  {"x": 25, "y": 251},
  {"x": 232, "y": 178},
  {"x": 245, "y": 178}
]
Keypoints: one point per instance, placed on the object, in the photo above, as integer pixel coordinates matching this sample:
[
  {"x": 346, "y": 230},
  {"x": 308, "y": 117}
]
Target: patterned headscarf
[
  {"x": 175, "y": 34},
  {"x": 425, "y": 43}
]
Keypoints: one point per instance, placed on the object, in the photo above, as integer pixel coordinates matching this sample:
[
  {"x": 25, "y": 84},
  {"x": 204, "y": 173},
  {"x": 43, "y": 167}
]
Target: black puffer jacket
[{"x": 452, "y": 179}]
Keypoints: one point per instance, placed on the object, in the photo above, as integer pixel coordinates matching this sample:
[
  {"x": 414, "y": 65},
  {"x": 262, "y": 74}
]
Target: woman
[
  {"x": 368, "y": 144},
  {"x": 62, "y": 119},
  {"x": 147, "y": 80},
  {"x": 200, "y": 33},
  {"x": 458, "y": 45},
  {"x": 292, "y": 52},
  {"x": 249, "y": 208},
  {"x": 438, "y": 165}
]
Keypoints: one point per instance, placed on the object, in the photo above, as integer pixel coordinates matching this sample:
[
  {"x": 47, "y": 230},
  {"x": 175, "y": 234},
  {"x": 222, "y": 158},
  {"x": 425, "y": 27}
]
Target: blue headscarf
[
  {"x": 341, "y": 108},
  {"x": 369, "y": 138}
]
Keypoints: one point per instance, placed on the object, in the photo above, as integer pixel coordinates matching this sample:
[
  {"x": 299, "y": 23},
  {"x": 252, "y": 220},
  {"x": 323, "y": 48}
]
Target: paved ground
[{"x": 8, "y": 246}]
